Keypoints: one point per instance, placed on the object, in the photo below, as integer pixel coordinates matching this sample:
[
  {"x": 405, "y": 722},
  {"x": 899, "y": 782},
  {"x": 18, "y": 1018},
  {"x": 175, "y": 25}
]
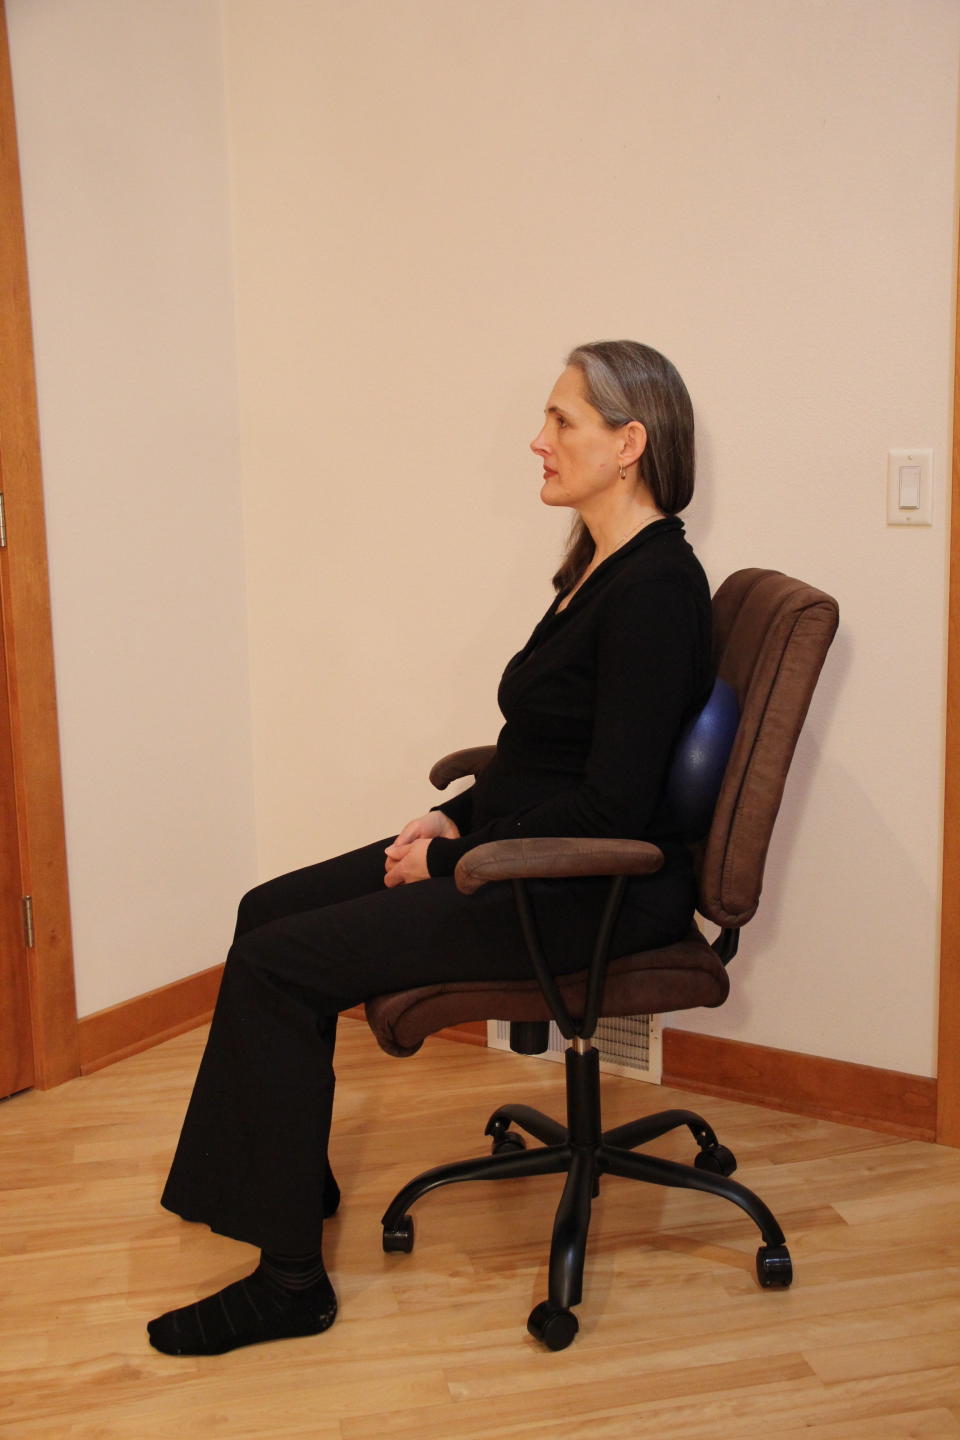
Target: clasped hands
[{"x": 407, "y": 856}]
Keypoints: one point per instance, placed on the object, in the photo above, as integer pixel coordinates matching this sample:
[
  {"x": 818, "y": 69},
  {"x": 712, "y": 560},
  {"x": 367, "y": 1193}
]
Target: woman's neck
[
  {"x": 614, "y": 528},
  {"x": 608, "y": 539}
]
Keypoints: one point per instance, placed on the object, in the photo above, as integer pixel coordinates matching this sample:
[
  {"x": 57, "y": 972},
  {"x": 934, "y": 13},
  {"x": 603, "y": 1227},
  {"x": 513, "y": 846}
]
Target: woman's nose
[{"x": 537, "y": 444}]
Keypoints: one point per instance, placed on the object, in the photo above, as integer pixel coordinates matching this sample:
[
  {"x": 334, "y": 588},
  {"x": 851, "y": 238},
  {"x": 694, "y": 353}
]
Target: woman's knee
[
  {"x": 251, "y": 963},
  {"x": 258, "y": 907},
  {"x": 268, "y": 967},
  {"x": 245, "y": 912}
]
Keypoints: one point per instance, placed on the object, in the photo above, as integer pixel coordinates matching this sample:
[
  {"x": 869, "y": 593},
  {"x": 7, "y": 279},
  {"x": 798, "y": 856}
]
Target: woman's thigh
[
  {"x": 344, "y": 877},
  {"x": 388, "y": 940},
  {"x": 424, "y": 934}
]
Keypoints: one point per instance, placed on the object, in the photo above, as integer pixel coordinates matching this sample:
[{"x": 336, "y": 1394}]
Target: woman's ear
[{"x": 633, "y": 443}]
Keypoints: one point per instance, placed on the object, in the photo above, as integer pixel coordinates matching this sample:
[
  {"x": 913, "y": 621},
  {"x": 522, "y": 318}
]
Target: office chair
[{"x": 771, "y": 636}]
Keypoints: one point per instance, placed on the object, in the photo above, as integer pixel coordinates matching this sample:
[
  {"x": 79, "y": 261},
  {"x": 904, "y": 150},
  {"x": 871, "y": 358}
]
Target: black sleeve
[{"x": 647, "y": 680}]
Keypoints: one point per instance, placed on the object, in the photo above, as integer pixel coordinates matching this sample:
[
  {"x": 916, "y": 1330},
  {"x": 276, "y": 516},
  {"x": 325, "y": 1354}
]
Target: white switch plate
[{"x": 921, "y": 514}]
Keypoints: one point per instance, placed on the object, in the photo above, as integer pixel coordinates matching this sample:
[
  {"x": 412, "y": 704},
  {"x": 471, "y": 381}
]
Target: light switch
[{"x": 909, "y": 487}]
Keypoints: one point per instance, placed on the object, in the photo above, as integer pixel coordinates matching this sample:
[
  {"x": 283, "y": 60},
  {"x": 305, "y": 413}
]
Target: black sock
[
  {"x": 293, "y": 1272},
  {"x": 284, "y": 1297}
]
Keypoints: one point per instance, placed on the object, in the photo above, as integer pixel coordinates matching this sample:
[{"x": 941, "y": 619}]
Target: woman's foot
[{"x": 283, "y": 1298}]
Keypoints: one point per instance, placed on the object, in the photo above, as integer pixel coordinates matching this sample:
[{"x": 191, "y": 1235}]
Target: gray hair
[{"x": 627, "y": 381}]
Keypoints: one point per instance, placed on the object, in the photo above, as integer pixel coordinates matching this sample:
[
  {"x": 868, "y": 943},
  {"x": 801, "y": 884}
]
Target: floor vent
[{"x": 629, "y": 1045}]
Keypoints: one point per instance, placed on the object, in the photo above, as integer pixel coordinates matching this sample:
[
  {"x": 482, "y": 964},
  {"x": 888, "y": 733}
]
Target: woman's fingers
[
  {"x": 408, "y": 864},
  {"x": 394, "y": 874},
  {"x": 425, "y": 827}
]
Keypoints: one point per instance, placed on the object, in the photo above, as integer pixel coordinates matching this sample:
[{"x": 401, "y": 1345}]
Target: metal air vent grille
[{"x": 629, "y": 1045}]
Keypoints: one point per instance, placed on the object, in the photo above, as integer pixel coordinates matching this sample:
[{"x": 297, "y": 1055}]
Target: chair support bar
[
  {"x": 601, "y": 953},
  {"x": 570, "y": 1028}
]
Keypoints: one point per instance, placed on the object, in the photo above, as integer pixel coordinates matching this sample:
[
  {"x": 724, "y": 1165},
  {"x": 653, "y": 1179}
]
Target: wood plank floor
[{"x": 676, "y": 1340}]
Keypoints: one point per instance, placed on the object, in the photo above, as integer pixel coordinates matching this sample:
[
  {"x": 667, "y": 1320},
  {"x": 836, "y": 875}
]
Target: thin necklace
[{"x": 635, "y": 531}]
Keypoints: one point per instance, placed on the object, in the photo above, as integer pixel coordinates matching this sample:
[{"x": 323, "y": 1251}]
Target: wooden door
[{"x": 36, "y": 983}]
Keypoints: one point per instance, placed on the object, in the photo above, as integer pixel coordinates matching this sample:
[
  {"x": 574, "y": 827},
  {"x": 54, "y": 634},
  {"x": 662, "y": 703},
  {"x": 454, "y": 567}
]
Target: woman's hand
[
  {"x": 407, "y": 856},
  {"x": 434, "y": 823},
  {"x": 407, "y": 863}
]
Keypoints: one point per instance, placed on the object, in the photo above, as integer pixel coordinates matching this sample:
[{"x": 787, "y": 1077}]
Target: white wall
[
  {"x": 123, "y": 151},
  {"x": 432, "y": 202}
]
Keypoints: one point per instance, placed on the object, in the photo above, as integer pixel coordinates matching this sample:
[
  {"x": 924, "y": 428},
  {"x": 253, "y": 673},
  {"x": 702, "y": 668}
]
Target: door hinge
[
  {"x": 3, "y": 524},
  {"x": 28, "y": 921}
]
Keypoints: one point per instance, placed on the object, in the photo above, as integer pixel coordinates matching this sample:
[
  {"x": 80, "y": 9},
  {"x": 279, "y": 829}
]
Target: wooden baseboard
[
  {"x": 886, "y": 1100},
  {"x": 147, "y": 1020}
]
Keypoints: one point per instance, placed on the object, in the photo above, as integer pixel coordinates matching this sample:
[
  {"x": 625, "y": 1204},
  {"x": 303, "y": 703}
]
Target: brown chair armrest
[
  {"x": 550, "y": 858},
  {"x": 460, "y": 763}
]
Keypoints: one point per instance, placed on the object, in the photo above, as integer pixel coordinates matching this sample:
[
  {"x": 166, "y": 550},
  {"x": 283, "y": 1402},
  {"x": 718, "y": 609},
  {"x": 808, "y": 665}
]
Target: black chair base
[{"x": 582, "y": 1151}]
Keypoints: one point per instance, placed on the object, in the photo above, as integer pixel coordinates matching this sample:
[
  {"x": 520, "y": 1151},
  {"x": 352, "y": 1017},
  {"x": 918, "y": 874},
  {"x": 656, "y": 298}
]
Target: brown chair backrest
[{"x": 771, "y": 636}]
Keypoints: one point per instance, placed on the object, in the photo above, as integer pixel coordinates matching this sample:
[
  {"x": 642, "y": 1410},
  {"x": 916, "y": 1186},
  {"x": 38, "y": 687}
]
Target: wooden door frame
[
  {"x": 948, "y": 1064},
  {"x": 28, "y": 640}
]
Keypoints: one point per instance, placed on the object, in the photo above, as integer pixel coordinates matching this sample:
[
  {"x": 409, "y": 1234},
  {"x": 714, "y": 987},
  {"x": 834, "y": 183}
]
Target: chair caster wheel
[
  {"x": 552, "y": 1325},
  {"x": 774, "y": 1267},
  {"x": 508, "y": 1142},
  {"x": 399, "y": 1237},
  {"x": 718, "y": 1160}
]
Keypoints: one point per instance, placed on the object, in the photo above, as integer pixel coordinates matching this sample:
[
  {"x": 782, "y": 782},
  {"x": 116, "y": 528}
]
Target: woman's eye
[{"x": 561, "y": 422}]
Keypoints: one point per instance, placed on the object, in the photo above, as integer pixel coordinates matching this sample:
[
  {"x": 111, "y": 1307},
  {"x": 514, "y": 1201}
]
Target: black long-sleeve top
[{"x": 593, "y": 705}]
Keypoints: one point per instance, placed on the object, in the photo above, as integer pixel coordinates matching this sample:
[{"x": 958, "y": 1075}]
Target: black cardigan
[{"x": 593, "y": 705}]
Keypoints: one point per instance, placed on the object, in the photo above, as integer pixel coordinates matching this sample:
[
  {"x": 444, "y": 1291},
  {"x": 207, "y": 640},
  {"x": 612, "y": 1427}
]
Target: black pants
[{"x": 252, "y": 1157}]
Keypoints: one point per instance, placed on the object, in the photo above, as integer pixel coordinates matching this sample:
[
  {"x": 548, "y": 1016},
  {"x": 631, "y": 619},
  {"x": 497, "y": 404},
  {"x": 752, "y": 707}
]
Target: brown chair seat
[{"x": 678, "y": 977}]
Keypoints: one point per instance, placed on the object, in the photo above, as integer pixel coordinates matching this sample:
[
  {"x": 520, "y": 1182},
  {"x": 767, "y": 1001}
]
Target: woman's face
[{"x": 580, "y": 452}]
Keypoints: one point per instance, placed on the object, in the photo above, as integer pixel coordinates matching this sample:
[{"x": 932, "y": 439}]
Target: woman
[{"x": 593, "y": 704}]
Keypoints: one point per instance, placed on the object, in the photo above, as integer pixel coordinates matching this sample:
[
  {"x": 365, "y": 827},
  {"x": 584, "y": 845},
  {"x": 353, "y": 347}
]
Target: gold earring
[{"x": 623, "y": 473}]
